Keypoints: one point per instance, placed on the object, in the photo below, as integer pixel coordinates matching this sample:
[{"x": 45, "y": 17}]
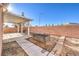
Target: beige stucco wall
[{"x": 1, "y": 31}]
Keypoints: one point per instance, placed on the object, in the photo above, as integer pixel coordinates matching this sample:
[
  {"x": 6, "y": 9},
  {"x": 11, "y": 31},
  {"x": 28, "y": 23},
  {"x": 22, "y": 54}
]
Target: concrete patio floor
[{"x": 30, "y": 48}]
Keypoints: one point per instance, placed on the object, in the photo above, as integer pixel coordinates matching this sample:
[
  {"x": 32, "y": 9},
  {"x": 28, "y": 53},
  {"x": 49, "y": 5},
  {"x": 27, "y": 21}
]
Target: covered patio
[{"x": 19, "y": 21}]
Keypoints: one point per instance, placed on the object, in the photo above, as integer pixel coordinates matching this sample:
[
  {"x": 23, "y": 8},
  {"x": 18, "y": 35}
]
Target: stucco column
[
  {"x": 18, "y": 28},
  {"x": 21, "y": 27},
  {"x": 1, "y": 28},
  {"x": 28, "y": 28}
]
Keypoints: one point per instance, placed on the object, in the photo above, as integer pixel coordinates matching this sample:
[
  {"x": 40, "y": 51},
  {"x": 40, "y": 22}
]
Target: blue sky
[{"x": 49, "y": 13}]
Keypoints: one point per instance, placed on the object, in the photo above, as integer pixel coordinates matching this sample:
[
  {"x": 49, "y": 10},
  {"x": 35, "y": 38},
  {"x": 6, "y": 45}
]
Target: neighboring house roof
[{"x": 65, "y": 30}]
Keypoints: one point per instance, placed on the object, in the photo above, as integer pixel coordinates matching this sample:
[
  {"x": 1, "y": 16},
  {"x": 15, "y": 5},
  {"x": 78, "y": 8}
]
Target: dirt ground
[{"x": 12, "y": 49}]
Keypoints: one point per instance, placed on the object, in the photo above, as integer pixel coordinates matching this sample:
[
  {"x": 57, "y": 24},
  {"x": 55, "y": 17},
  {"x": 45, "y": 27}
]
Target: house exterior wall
[{"x": 1, "y": 30}]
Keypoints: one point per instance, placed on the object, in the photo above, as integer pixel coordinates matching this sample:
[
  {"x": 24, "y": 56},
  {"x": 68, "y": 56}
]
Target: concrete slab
[
  {"x": 36, "y": 51},
  {"x": 30, "y": 48},
  {"x": 24, "y": 44},
  {"x": 51, "y": 54}
]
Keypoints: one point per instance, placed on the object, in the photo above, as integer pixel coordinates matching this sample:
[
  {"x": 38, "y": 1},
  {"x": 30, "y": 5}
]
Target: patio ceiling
[{"x": 13, "y": 18}]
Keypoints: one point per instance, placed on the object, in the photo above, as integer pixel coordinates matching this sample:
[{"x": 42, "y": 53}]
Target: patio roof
[{"x": 13, "y": 18}]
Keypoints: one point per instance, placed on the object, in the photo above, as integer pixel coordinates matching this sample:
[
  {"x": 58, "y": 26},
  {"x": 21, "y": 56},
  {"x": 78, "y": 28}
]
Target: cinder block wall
[
  {"x": 50, "y": 41},
  {"x": 9, "y": 30},
  {"x": 39, "y": 37},
  {"x": 12, "y": 30}
]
